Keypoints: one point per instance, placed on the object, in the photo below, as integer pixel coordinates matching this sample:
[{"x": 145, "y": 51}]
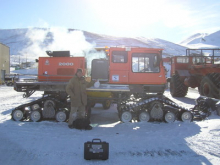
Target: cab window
[
  {"x": 119, "y": 57},
  {"x": 144, "y": 62},
  {"x": 182, "y": 60}
]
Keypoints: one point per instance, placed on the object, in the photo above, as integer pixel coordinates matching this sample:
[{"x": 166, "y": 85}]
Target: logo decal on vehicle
[
  {"x": 115, "y": 77},
  {"x": 65, "y": 64}
]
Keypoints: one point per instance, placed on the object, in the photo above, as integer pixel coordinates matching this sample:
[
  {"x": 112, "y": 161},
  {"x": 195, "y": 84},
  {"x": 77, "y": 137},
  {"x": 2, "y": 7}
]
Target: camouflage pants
[{"x": 76, "y": 112}]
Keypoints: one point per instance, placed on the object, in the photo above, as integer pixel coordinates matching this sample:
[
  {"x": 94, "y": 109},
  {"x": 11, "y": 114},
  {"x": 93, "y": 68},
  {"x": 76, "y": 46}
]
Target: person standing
[{"x": 76, "y": 88}]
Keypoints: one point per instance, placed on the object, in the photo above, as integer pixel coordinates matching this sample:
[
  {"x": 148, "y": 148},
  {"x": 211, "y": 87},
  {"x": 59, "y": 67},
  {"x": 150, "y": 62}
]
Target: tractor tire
[
  {"x": 177, "y": 87},
  {"x": 200, "y": 90},
  {"x": 215, "y": 79},
  {"x": 206, "y": 87}
]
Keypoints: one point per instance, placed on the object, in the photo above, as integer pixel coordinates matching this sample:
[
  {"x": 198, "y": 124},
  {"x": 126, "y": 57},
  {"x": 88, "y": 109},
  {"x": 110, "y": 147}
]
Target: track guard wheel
[
  {"x": 126, "y": 116},
  {"x": 170, "y": 117},
  {"x": 17, "y": 115},
  {"x": 186, "y": 116},
  {"x": 144, "y": 116},
  {"x": 35, "y": 116},
  {"x": 61, "y": 116}
]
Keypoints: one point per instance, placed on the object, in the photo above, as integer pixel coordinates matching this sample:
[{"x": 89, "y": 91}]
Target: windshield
[{"x": 144, "y": 62}]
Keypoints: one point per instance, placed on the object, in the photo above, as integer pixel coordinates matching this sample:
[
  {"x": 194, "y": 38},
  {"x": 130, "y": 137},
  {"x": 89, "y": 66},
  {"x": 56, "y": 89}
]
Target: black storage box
[{"x": 96, "y": 149}]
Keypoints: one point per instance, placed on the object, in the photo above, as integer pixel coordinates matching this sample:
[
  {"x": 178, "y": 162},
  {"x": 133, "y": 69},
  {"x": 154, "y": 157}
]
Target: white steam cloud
[
  {"x": 54, "y": 39},
  {"x": 58, "y": 39}
]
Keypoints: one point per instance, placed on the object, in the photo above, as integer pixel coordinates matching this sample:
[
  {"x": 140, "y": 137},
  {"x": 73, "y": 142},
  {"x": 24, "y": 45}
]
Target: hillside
[
  {"x": 32, "y": 43},
  {"x": 203, "y": 40},
  {"x": 28, "y": 41}
]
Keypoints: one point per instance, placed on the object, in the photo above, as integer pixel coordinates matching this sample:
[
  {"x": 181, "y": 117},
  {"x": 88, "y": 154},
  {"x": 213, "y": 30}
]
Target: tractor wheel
[
  {"x": 200, "y": 90},
  {"x": 215, "y": 79},
  {"x": 187, "y": 116},
  {"x": 126, "y": 116},
  {"x": 144, "y": 116},
  {"x": 156, "y": 111},
  {"x": 177, "y": 87},
  {"x": 17, "y": 115},
  {"x": 35, "y": 116},
  {"x": 61, "y": 116},
  {"x": 106, "y": 104},
  {"x": 206, "y": 88},
  {"x": 170, "y": 117}
]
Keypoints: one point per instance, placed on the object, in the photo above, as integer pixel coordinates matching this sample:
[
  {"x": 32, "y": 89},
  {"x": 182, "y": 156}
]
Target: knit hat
[{"x": 79, "y": 70}]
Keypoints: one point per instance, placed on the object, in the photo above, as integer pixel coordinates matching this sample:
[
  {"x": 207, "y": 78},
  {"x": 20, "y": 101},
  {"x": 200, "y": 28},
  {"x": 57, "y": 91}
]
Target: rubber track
[
  {"x": 39, "y": 101},
  {"x": 130, "y": 105},
  {"x": 164, "y": 100}
]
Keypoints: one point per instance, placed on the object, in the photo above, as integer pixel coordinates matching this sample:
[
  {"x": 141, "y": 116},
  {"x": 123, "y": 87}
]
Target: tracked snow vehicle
[{"x": 133, "y": 78}]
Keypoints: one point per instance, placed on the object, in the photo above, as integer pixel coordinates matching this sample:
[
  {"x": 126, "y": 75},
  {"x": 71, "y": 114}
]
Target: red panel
[
  {"x": 121, "y": 73},
  {"x": 147, "y": 78},
  {"x": 59, "y": 68},
  {"x": 118, "y": 77}
]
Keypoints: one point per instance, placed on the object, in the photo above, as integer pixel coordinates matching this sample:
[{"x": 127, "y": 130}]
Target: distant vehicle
[
  {"x": 10, "y": 79},
  {"x": 199, "y": 68}
]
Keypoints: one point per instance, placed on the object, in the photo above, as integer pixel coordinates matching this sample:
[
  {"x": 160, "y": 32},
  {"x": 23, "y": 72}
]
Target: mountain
[
  {"x": 27, "y": 41},
  {"x": 35, "y": 41},
  {"x": 203, "y": 40}
]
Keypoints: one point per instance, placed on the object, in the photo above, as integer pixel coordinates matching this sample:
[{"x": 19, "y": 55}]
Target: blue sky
[{"x": 171, "y": 20}]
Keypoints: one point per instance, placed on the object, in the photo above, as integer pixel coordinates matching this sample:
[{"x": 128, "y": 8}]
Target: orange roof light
[{"x": 107, "y": 50}]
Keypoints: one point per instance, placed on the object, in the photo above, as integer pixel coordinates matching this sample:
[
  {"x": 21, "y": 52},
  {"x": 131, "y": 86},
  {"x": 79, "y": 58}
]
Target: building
[{"x": 4, "y": 61}]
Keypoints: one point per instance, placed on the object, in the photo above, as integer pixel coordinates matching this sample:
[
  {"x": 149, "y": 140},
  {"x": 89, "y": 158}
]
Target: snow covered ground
[{"x": 50, "y": 142}]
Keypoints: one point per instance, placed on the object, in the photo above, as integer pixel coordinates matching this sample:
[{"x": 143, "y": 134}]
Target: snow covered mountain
[
  {"x": 26, "y": 41},
  {"x": 203, "y": 40},
  {"x": 33, "y": 42}
]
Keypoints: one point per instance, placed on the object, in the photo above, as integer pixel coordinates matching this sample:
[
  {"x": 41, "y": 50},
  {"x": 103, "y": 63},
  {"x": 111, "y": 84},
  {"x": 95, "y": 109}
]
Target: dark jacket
[{"x": 76, "y": 88}]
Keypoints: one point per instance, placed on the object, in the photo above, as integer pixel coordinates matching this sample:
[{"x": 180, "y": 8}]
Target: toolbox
[{"x": 96, "y": 149}]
